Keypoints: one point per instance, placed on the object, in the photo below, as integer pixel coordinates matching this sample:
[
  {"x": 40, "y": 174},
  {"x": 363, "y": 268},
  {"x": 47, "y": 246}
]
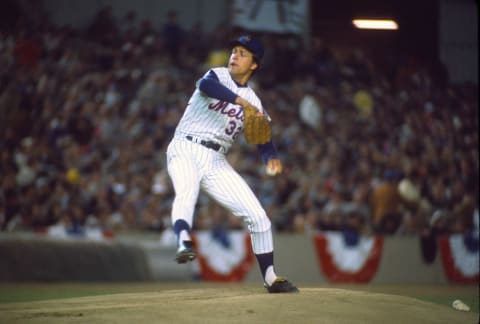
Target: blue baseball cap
[{"x": 252, "y": 44}]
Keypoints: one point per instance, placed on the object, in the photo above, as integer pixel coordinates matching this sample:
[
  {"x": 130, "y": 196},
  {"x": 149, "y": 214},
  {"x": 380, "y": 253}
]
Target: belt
[{"x": 208, "y": 144}]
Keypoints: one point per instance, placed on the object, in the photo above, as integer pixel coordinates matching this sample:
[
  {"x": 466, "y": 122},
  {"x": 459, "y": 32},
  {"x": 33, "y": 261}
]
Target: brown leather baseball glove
[{"x": 256, "y": 126}]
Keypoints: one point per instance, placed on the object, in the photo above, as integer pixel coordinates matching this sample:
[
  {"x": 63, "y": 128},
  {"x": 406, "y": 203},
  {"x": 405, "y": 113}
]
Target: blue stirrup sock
[
  {"x": 265, "y": 261},
  {"x": 182, "y": 230}
]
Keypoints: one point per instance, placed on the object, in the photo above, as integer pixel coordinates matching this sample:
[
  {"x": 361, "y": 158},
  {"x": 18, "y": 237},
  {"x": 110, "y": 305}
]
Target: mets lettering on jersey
[
  {"x": 221, "y": 122},
  {"x": 221, "y": 106}
]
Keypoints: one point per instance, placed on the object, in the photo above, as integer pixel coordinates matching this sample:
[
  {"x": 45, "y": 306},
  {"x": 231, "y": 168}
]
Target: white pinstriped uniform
[
  {"x": 192, "y": 166},
  {"x": 209, "y": 119}
]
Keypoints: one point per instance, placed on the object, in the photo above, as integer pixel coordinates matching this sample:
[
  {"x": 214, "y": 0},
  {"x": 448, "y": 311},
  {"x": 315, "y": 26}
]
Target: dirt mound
[{"x": 235, "y": 305}]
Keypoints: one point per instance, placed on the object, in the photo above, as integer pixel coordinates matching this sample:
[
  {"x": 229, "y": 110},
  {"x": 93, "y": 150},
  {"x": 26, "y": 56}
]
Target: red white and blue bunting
[
  {"x": 347, "y": 263},
  {"x": 223, "y": 262},
  {"x": 460, "y": 258}
]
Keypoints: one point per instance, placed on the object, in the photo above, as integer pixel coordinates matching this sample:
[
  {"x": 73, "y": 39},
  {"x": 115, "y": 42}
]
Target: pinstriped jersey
[{"x": 215, "y": 120}]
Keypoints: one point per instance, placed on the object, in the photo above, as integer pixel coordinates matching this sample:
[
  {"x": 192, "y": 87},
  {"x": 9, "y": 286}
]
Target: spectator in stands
[
  {"x": 173, "y": 36},
  {"x": 104, "y": 102},
  {"x": 103, "y": 29},
  {"x": 386, "y": 204}
]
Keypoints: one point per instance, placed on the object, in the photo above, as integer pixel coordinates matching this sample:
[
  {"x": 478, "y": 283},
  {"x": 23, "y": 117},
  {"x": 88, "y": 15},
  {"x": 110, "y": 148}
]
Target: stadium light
[{"x": 375, "y": 24}]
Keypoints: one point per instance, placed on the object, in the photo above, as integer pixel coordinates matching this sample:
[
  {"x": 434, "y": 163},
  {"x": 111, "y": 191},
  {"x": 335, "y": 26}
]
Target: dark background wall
[
  {"x": 417, "y": 35},
  {"x": 430, "y": 30}
]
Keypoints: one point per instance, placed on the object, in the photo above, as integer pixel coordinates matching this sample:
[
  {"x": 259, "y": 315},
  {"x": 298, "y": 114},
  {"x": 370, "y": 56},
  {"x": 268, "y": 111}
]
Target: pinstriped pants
[{"x": 193, "y": 167}]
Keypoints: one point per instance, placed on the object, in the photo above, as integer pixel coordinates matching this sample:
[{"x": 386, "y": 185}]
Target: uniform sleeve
[
  {"x": 211, "y": 86},
  {"x": 267, "y": 151}
]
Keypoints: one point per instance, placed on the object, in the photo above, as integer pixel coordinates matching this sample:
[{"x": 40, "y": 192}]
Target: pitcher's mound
[{"x": 236, "y": 304}]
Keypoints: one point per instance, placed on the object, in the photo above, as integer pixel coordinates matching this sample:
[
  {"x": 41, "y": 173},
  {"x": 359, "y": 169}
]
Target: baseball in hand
[
  {"x": 270, "y": 171},
  {"x": 273, "y": 167}
]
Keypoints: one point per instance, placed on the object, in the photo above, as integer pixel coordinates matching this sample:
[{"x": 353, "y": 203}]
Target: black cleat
[
  {"x": 281, "y": 285},
  {"x": 185, "y": 253}
]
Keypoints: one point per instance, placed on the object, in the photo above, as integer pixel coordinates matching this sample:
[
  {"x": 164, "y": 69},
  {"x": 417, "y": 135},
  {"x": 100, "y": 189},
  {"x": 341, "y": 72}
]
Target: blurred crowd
[{"x": 86, "y": 116}]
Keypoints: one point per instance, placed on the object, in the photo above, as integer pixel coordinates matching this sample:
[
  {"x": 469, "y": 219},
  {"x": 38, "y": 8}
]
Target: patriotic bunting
[
  {"x": 229, "y": 259},
  {"x": 460, "y": 258},
  {"x": 344, "y": 263}
]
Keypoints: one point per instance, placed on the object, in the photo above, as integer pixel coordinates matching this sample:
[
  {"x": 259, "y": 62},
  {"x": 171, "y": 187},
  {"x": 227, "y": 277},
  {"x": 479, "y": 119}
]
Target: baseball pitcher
[{"x": 221, "y": 108}]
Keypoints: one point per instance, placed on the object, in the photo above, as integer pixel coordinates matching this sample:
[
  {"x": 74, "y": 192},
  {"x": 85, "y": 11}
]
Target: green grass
[
  {"x": 441, "y": 294},
  {"x": 26, "y": 292},
  {"x": 12, "y": 293},
  {"x": 470, "y": 300}
]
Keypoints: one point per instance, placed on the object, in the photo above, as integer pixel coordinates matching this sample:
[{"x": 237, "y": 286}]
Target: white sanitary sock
[{"x": 270, "y": 275}]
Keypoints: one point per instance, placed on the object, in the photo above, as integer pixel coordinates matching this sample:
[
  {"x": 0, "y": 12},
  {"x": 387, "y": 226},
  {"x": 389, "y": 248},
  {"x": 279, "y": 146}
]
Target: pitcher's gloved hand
[{"x": 256, "y": 126}]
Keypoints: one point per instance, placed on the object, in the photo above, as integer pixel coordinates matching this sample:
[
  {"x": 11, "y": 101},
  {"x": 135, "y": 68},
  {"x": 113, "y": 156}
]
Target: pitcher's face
[{"x": 241, "y": 63}]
